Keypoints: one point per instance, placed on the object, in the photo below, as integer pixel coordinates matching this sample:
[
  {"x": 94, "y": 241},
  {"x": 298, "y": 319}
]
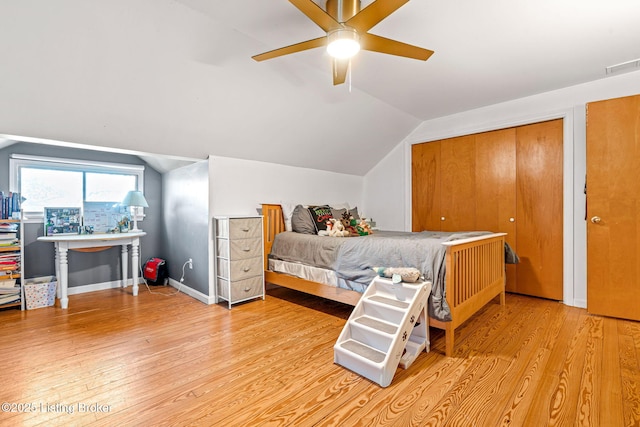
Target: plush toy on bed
[
  {"x": 334, "y": 229},
  {"x": 363, "y": 228},
  {"x": 407, "y": 274},
  {"x": 349, "y": 224}
]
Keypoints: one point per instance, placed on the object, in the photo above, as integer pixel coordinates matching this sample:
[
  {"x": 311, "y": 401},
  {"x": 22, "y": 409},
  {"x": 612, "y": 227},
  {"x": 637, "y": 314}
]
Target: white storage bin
[{"x": 40, "y": 292}]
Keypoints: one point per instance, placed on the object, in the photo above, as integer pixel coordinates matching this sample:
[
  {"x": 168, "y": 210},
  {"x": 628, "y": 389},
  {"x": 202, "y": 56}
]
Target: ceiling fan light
[{"x": 343, "y": 43}]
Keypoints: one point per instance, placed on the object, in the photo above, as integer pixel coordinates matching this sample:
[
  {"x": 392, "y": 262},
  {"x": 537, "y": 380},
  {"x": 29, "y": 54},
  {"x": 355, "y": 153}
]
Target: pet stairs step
[
  {"x": 412, "y": 351},
  {"x": 387, "y": 328},
  {"x": 363, "y": 350},
  {"x": 388, "y": 301},
  {"x": 377, "y": 324}
]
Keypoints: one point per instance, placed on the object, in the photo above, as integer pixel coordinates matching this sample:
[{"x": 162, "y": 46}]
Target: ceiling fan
[{"x": 347, "y": 32}]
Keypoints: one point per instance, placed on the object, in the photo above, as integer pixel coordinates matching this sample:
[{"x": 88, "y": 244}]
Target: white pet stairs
[{"x": 387, "y": 328}]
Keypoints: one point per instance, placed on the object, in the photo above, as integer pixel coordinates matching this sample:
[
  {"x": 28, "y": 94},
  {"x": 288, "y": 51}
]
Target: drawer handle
[
  {"x": 246, "y": 229},
  {"x": 247, "y": 289},
  {"x": 246, "y": 249},
  {"x": 246, "y": 269}
]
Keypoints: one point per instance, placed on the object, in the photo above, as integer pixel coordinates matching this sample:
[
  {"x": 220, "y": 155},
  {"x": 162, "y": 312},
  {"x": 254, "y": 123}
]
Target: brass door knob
[{"x": 596, "y": 219}]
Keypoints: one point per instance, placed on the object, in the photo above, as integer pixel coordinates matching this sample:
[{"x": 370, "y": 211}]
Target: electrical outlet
[{"x": 190, "y": 264}]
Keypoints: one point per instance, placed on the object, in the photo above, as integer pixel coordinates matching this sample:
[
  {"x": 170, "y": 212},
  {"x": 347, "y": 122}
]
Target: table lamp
[{"x": 135, "y": 199}]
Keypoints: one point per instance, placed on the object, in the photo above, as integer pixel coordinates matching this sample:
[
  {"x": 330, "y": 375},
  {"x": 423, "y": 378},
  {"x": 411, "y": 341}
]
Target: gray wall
[
  {"x": 96, "y": 267},
  {"x": 186, "y": 223}
]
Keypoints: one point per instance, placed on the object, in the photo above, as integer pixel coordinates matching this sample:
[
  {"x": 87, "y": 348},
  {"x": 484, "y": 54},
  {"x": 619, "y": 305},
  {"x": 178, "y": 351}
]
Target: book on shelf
[
  {"x": 7, "y": 299},
  {"x": 9, "y": 242},
  {"x": 8, "y": 227},
  {"x": 9, "y": 204},
  {"x": 8, "y": 266},
  {"x": 7, "y": 284}
]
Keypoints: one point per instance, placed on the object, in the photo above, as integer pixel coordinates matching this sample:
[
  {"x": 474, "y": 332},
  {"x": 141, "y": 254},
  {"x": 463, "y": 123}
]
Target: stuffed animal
[
  {"x": 363, "y": 228},
  {"x": 334, "y": 229},
  {"x": 325, "y": 232},
  {"x": 337, "y": 229},
  {"x": 407, "y": 274},
  {"x": 349, "y": 224}
]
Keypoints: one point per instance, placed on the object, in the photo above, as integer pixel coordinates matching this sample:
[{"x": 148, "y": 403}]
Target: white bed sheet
[
  {"x": 314, "y": 274},
  {"x": 307, "y": 272}
]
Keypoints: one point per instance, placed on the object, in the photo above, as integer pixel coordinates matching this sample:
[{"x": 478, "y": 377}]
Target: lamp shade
[
  {"x": 343, "y": 43},
  {"x": 135, "y": 198}
]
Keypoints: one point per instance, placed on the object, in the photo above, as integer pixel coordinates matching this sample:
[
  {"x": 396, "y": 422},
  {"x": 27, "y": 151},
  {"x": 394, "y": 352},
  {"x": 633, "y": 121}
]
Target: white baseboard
[
  {"x": 192, "y": 292},
  {"x": 118, "y": 284},
  {"x": 74, "y": 290}
]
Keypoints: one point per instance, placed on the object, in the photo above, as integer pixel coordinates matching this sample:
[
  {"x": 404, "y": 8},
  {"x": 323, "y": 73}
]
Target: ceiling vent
[{"x": 632, "y": 65}]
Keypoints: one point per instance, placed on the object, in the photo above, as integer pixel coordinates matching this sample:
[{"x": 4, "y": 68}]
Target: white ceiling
[
  {"x": 485, "y": 52},
  {"x": 177, "y": 78}
]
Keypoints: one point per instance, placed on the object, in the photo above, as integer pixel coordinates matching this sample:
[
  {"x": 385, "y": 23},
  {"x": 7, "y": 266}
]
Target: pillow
[
  {"x": 287, "y": 211},
  {"x": 354, "y": 213},
  {"x": 337, "y": 213},
  {"x": 320, "y": 215},
  {"x": 301, "y": 221}
]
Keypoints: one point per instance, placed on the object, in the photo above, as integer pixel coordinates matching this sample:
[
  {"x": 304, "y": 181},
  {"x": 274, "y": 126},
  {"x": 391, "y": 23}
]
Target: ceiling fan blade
[
  {"x": 393, "y": 47},
  {"x": 316, "y": 14},
  {"x": 340, "y": 68},
  {"x": 371, "y": 15},
  {"x": 298, "y": 47}
]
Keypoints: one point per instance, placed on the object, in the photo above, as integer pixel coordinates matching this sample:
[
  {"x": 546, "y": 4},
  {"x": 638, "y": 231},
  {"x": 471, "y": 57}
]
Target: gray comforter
[{"x": 353, "y": 258}]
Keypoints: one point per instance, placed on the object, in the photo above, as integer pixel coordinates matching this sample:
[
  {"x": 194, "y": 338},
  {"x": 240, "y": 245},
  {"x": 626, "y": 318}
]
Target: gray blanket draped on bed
[{"x": 353, "y": 258}]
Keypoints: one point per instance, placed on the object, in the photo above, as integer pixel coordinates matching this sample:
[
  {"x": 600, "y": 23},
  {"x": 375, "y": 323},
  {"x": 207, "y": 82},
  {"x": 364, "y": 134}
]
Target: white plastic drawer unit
[{"x": 239, "y": 258}]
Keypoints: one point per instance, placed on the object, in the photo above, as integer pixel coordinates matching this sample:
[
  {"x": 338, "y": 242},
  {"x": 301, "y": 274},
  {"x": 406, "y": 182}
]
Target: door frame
[{"x": 574, "y": 269}]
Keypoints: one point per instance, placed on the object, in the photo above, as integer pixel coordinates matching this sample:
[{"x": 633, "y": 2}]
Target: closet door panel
[
  {"x": 496, "y": 188},
  {"x": 539, "y": 214},
  {"x": 425, "y": 185},
  {"x": 496, "y": 181},
  {"x": 613, "y": 208},
  {"x": 458, "y": 176}
]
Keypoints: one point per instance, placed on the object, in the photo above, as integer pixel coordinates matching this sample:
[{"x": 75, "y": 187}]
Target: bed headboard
[{"x": 273, "y": 224}]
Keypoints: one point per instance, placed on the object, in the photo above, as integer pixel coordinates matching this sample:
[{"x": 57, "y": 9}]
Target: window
[
  {"x": 108, "y": 187},
  {"x": 53, "y": 182},
  {"x": 49, "y": 187}
]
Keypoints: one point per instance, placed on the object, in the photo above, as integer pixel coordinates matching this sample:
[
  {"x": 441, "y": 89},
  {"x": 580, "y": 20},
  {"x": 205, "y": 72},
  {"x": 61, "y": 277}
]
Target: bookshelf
[{"x": 11, "y": 263}]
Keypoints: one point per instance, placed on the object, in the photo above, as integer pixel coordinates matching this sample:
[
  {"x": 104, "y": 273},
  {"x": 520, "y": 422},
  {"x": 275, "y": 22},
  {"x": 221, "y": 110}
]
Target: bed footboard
[{"x": 475, "y": 275}]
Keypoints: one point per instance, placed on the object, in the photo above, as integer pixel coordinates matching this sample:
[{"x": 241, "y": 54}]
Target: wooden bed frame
[{"x": 475, "y": 274}]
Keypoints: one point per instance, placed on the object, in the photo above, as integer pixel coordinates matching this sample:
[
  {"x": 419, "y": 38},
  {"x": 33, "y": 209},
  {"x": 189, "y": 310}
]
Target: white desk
[{"x": 67, "y": 242}]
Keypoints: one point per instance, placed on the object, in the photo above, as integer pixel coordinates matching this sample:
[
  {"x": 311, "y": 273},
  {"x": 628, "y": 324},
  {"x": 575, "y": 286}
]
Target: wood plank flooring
[{"x": 113, "y": 359}]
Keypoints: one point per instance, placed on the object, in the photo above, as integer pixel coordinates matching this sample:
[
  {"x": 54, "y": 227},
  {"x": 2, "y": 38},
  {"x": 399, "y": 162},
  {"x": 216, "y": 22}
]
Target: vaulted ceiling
[{"x": 175, "y": 77}]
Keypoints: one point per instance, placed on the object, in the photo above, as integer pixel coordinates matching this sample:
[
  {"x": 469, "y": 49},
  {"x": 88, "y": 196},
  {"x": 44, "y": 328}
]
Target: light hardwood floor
[{"x": 170, "y": 360}]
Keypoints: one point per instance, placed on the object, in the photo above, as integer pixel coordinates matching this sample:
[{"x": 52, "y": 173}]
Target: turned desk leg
[
  {"x": 63, "y": 270},
  {"x": 125, "y": 265},
  {"x": 135, "y": 256},
  {"x": 57, "y": 265}
]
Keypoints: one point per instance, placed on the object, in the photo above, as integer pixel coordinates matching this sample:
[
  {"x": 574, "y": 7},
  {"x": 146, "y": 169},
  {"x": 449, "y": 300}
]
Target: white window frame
[{"x": 18, "y": 161}]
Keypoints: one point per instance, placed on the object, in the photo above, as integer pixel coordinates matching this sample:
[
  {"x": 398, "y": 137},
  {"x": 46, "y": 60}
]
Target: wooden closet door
[
  {"x": 539, "y": 214},
  {"x": 496, "y": 188},
  {"x": 458, "y": 177},
  {"x": 425, "y": 186},
  {"x": 613, "y": 208}
]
